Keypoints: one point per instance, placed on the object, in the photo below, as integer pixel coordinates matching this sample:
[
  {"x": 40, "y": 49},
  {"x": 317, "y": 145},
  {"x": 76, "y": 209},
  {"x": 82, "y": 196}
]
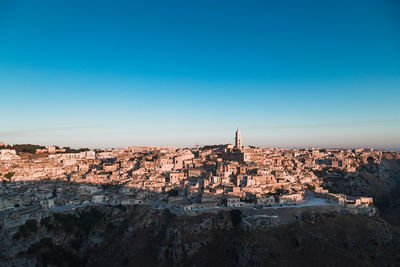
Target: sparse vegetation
[
  {"x": 28, "y": 228},
  {"x": 59, "y": 256},
  {"x": 71, "y": 150},
  {"x": 65, "y": 221},
  {"x": 42, "y": 244},
  {"x": 236, "y": 217},
  {"x": 24, "y": 148},
  {"x": 86, "y": 220},
  {"x": 284, "y": 245},
  {"x": 9, "y": 175},
  {"x": 76, "y": 243},
  {"x": 46, "y": 222}
]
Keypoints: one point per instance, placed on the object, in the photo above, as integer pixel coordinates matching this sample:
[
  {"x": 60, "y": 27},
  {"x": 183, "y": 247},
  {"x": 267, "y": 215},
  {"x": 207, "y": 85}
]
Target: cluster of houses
[
  {"x": 348, "y": 201},
  {"x": 182, "y": 178}
]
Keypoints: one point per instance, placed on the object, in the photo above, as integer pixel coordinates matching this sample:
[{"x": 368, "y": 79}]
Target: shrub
[
  {"x": 236, "y": 217},
  {"x": 9, "y": 175},
  {"x": 26, "y": 148},
  {"x": 29, "y": 227},
  {"x": 71, "y": 150},
  {"x": 88, "y": 219},
  {"x": 47, "y": 223},
  {"x": 66, "y": 221},
  {"x": 110, "y": 226},
  {"x": 59, "y": 256},
  {"x": 76, "y": 243},
  {"x": 43, "y": 243}
]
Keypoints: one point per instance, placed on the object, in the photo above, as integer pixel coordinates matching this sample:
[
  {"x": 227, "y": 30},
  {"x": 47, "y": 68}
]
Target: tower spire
[{"x": 238, "y": 139}]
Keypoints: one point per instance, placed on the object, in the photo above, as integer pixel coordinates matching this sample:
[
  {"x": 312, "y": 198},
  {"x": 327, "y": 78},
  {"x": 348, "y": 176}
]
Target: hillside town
[{"x": 186, "y": 179}]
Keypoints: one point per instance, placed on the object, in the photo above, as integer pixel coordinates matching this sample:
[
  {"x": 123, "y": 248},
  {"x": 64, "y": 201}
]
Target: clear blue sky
[{"x": 120, "y": 73}]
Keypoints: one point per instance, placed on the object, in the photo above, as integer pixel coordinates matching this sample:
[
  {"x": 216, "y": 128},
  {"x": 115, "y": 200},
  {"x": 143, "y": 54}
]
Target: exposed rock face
[
  {"x": 140, "y": 236},
  {"x": 378, "y": 180}
]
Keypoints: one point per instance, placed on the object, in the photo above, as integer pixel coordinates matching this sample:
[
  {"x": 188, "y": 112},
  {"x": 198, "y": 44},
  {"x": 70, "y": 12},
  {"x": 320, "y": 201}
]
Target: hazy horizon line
[{"x": 397, "y": 149}]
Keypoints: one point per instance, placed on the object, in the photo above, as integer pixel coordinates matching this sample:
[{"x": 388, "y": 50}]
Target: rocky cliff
[
  {"x": 378, "y": 180},
  {"x": 140, "y": 236}
]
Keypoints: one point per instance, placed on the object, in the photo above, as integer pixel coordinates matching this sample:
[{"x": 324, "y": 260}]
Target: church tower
[{"x": 238, "y": 140}]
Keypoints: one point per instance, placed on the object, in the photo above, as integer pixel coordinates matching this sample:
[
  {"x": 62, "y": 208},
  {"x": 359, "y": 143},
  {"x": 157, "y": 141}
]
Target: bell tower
[{"x": 238, "y": 140}]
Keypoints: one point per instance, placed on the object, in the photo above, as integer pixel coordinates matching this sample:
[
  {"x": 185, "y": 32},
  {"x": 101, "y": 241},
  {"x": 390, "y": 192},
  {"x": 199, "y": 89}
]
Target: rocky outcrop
[
  {"x": 140, "y": 236},
  {"x": 380, "y": 180}
]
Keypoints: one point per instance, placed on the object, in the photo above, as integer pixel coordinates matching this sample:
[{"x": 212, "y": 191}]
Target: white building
[
  {"x": 234, "y": 202},
  {"x": 47, "y": 203},
  {"x": 8, "y": 154},
  {"x": 98, "y": 198}
]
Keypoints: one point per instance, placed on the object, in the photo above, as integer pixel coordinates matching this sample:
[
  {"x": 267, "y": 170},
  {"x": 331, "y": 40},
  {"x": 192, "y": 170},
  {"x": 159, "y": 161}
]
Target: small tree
[{"x": 9, "y": 175}]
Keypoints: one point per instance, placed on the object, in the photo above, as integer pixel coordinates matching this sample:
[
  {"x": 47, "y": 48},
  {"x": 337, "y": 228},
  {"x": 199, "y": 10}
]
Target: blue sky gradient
[{"x": 120, "y": 73}]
